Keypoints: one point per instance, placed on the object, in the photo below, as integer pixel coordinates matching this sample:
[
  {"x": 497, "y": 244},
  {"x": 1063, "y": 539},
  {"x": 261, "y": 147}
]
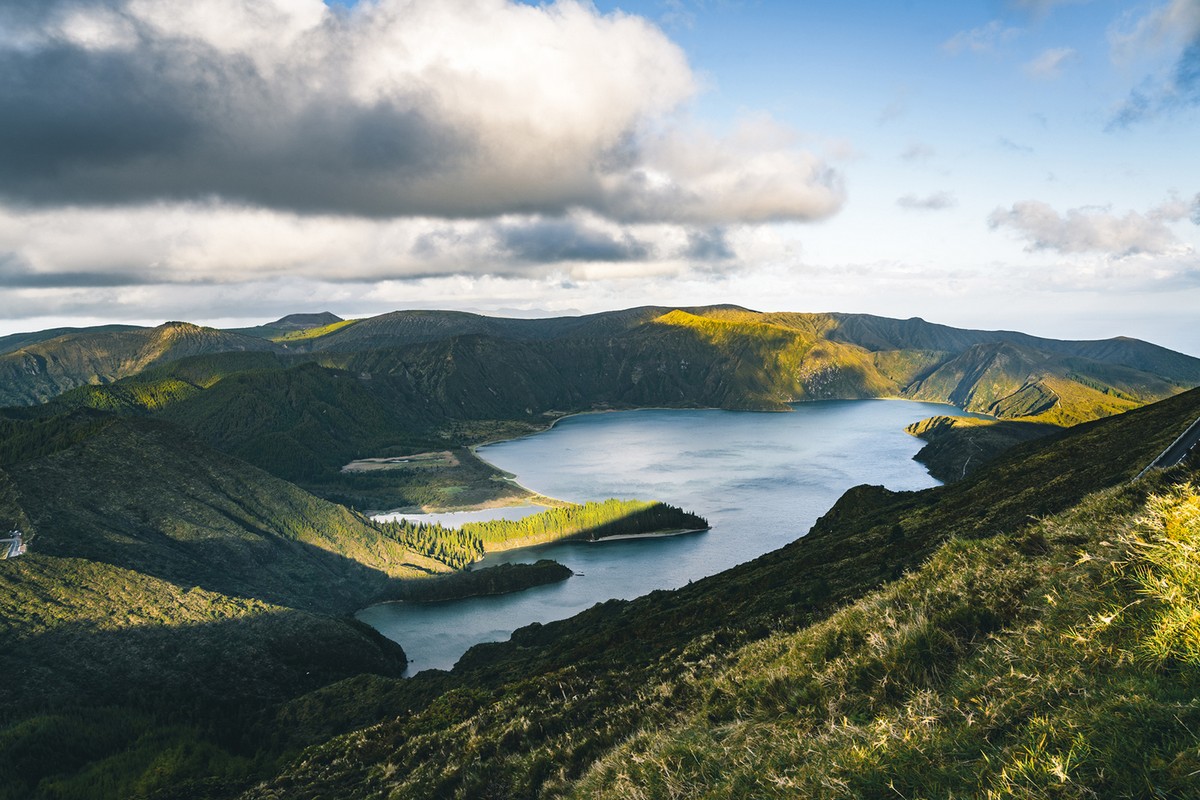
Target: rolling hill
[
  {"x": 38, "y": 370},
  {"x": 307, "y": 403},
  {"x": 737, "y": 359}
]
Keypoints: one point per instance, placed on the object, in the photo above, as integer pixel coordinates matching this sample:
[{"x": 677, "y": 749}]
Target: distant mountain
[
  {"x": 38, "y": 370},
  {"x": 409, "y": 373},
  {"x": 301, "y": 322}
]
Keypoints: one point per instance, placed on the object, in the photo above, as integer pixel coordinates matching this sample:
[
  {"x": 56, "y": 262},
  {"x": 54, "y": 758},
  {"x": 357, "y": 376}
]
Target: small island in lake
[
  {"x": 462, "y": 546},
  {"x": 459, "y": 547}
]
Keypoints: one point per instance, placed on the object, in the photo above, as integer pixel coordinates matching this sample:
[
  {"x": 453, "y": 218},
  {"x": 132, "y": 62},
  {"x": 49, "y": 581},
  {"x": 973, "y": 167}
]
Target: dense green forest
[{"x": 597, "y": 520}]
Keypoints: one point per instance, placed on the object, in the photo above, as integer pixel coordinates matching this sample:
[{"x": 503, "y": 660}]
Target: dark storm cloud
[
  {"x": 708, "y": 244},
  {"x": 69, "y": 109},
  {"x": 554, "y": 241},
  {"x": 16, "y": 274},
  {"x": 109, "y": 127},
  {"x": 389, "y": 109}
]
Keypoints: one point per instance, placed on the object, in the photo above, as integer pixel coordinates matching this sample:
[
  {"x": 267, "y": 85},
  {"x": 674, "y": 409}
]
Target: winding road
[{"x": 1178, "y": 450}]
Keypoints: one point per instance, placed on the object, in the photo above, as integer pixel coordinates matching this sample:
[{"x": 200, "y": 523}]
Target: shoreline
[
  {"x": 652, "y": 535},
  {"x": 536, "y": 498}
]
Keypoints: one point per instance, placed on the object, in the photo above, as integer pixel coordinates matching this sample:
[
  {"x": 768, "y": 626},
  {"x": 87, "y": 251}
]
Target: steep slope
[
  {"x": 138, "y": 494},
  {"x": 753, "y": 682},
  {"x": 148, "y": 628},
  {"x": 38, "y": 371},
  {"x": 958, "y": 446},
  {"x": 998, "y": 669},
  {"x": 1011, "y": 381}
]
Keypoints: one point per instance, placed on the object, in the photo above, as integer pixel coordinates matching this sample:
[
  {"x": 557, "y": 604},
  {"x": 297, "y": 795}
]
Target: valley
[{"x": 181, "y": 623}]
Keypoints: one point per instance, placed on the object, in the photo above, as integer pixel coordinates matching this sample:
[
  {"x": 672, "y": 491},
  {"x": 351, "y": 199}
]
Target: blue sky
[{"x": 1029, "y": 164}]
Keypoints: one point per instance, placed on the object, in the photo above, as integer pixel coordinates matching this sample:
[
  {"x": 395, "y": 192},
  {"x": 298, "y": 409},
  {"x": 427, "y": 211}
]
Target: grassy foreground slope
[
  {"x": 1063, "y": 660},
  {"x": 929, "y": 639}
]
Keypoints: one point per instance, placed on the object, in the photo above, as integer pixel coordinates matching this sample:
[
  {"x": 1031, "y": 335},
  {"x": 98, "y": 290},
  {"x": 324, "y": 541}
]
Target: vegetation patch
[{"x": 461, "y": 546}]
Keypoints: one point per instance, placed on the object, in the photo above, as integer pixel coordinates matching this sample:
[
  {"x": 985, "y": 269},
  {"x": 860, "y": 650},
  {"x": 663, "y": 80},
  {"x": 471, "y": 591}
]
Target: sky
[{"x": 1017, "y": 164}]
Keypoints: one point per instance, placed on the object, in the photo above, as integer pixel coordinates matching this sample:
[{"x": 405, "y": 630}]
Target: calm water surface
[{"x": 760, "y": 479}]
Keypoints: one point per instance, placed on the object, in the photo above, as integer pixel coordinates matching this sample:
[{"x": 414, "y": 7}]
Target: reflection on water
[
  {"x": 453, "y": 519},
  {"x": 761, "y": 479}
]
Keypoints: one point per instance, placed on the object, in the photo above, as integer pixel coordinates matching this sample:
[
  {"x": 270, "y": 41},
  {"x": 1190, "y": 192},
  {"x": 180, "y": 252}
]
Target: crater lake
[{"x": 761, "y": 480}]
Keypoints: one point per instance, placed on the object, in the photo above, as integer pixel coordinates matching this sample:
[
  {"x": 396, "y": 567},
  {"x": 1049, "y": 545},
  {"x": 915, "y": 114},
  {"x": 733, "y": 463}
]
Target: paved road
[{"x": 1180, "y": 449}]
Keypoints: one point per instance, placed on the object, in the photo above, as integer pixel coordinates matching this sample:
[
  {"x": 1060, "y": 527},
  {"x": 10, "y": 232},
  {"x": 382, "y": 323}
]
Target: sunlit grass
[{"x": 1061, "y": 662}]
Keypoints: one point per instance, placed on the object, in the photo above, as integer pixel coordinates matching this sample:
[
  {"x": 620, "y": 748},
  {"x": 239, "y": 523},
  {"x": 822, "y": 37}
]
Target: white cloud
[
  {"x": 1164, "y": 28},
  {"x": 1049, "y": 63},
  {"x": 937, "y": 201},
  {"x": 220, "y": 243},
  {"x": 1094, "y": 230},
  {"x": 756, "y": 174},
  {"x": 984, "y": 39}
]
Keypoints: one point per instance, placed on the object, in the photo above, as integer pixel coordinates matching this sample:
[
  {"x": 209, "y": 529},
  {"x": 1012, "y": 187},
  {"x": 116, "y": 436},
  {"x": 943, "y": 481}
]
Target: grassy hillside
[
  {"x": 1063, "y": 661},
  {"x": 140, "y": 495},
  {"x": 1007, "y": 634},
  {"x": 171, "y": 597}
]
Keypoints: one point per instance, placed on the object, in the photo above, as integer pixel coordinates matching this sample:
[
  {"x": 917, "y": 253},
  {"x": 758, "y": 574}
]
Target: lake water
[{"x": 761, "y": 480}]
